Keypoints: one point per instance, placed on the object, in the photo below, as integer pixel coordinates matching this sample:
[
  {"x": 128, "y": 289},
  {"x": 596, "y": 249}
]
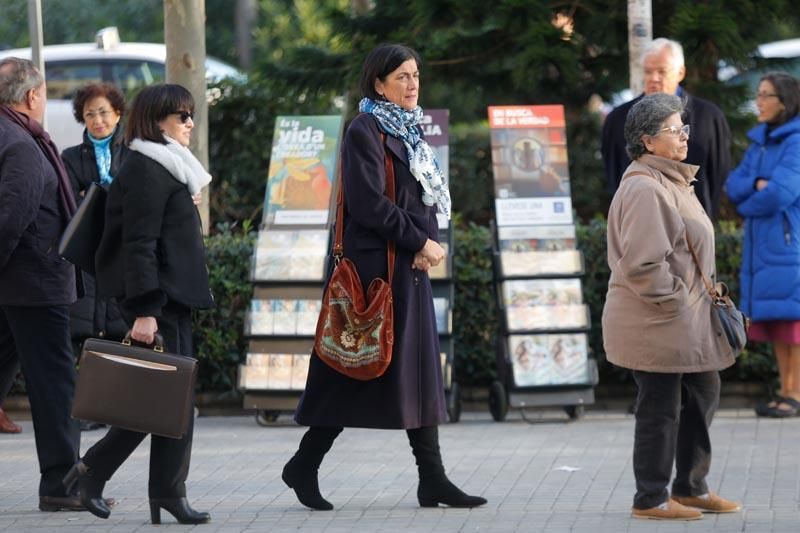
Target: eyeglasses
[
  {"x": 184, "y": 115},
  {"x": 764, "y": 96},
  {"x": 676, "y": 130},
  {"x": 91, "y": 115}
]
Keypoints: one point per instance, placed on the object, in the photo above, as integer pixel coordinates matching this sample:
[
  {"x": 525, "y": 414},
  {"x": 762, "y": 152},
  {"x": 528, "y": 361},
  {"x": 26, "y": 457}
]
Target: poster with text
[
  {"x": 435, "y": 126},
  {"x": 302, "y": 170},
  {"x": 530, "y": 165}
]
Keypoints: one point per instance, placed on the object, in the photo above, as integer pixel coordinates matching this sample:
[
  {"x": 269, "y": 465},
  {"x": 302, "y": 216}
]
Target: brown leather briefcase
[{"x": 136, "y": 388}]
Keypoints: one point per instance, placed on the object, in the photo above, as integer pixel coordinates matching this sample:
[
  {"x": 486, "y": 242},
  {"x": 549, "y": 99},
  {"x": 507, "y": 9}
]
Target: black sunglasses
[{"x": 184, "y": 115}]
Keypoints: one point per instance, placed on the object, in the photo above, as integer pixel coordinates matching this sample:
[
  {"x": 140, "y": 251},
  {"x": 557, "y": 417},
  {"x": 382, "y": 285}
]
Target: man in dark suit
[
  {"x": 36, "y": 285},
  {"x": 709, "y": 140}
]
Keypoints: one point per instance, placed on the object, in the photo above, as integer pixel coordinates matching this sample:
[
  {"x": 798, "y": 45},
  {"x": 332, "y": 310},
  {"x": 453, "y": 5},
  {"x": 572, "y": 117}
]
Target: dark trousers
[
  {"x": 39, "y": 338},
  {"x": 169, "y": 458},
  {"x": 9, "y": 363},
  {"x": 673, "y": 414}
]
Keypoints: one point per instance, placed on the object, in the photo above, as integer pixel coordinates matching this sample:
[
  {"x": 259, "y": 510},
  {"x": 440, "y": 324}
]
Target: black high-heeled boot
[
  {"x": 179, "y": 508},
  {"x": 300, "y": 473},
  {"x": 90, "y": 489},
  {"x": 434, "y": 487}
]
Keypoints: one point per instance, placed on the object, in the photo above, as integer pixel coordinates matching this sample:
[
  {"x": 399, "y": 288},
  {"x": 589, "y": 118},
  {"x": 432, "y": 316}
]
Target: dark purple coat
[{"x": 410, "y": 394}]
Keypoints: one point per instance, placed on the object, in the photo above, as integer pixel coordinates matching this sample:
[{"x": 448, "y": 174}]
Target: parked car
[
  {"x": 779, "y": 55},
  {"x": 128, "y": 65}
]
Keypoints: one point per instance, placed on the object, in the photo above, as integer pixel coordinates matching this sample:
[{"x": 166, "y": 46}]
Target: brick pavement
[{"x": 371, "y": 479}]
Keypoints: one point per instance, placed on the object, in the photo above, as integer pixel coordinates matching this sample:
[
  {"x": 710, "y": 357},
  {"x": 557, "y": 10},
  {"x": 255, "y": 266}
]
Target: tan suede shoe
[
  {"x": 674, "y": 511},
  {"x": 713, "y": 504}
]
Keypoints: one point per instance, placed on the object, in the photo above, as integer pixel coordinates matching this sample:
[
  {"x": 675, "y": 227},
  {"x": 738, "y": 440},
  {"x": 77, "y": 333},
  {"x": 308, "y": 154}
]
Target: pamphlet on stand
[
  {"x": 544, "y": 304},
  {"x": 549, "y": 359}
]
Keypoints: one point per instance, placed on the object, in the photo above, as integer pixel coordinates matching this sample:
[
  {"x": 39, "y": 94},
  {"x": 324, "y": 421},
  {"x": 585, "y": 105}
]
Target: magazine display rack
[
  {"x": 542, "y": 351},
  {"x": 289, "y": 262}
]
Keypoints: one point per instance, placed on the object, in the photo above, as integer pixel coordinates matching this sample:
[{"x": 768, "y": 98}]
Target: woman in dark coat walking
[
  {"x": 152, "y": 259},
  {"x": 410, "y": 394}
]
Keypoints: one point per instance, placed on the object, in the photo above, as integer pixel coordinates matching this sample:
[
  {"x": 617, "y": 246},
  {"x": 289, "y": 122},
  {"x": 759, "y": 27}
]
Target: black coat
[
  {"x": 31, "y": 222},
  {"x": 411, "y": 393},
  {"x": 152, "y": 247},
  {"x": 81, "y": 163},
  {"x": 91, "y": 316},
  {"x": 709, "y": 148}
]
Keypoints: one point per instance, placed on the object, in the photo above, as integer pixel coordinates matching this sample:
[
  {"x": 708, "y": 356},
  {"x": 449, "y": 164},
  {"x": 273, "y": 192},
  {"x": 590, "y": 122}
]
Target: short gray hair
[
  {"x": 645, "y": 118},
  {"x": 17, "y": 77},
  {"x": 675, "y": 48}
]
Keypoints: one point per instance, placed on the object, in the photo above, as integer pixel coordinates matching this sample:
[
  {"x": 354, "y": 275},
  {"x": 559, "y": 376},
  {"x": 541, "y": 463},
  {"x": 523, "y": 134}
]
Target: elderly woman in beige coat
[{"x": 657, "y": 316}]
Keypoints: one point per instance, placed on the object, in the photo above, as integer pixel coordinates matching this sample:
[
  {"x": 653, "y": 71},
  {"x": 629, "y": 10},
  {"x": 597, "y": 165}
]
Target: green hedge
[{"x": 219, "y": 333}]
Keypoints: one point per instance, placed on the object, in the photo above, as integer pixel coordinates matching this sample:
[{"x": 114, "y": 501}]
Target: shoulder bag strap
[
  {"x": 338, "y": 246},
  {"x": 709, "y": 286}
]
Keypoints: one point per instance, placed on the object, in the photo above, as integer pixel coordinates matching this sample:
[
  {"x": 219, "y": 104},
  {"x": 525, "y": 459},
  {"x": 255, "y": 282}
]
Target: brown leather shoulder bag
[{"x": 355, "y": 331}]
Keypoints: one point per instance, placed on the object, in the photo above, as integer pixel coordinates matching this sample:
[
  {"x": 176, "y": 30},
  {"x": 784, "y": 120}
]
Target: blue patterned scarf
[
  {"x": 102, "y": 156},
  {"x": 402, "y": 124}
]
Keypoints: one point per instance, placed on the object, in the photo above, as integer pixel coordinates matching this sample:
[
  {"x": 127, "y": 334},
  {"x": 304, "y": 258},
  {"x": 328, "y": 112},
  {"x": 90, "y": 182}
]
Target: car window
[
  {"x": 133, "y": 75},
  {"x": 753, "y": 76},
  {"x": 64, "y": 78}
]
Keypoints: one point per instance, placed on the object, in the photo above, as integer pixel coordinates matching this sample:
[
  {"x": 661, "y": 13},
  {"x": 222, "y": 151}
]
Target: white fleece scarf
[{"x": 178, "y": 160}]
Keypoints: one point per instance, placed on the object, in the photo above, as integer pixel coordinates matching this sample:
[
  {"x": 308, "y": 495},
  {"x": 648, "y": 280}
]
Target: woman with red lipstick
[
  {"x": 765, "y": 188},
  {"x": 410, "y": 394}
]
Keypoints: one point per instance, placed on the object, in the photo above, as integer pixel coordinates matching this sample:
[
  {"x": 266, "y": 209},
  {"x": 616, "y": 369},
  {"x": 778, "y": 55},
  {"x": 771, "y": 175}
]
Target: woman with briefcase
[{"x": 152, "y": 260}]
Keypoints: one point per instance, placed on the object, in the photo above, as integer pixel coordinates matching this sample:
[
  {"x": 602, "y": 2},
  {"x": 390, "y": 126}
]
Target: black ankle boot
[
  {"x": 179, "y": 508},
  {"x": 434, "y": 487},
  {"x": 430, "y": 493},
  {"x": 305, "y": 484},
  {"x": 90, "y": 489},
  {"x": 300, "y": 473}
]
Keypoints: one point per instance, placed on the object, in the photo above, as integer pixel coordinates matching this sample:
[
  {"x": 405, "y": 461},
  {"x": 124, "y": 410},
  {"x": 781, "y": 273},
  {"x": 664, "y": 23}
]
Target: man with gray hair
[
  {"x": 36, "y": 285},
  {"x": 709, "y": 144}
]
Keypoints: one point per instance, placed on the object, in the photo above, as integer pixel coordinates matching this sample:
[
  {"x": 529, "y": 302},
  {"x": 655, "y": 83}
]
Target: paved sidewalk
[{"x": 524, "y": 469}]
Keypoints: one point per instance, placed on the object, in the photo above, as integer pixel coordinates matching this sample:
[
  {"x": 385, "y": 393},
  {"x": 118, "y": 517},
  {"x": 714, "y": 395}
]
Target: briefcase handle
[{"x": 158, "y": 344}]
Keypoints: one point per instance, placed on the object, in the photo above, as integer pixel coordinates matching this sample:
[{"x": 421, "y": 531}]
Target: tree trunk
[
  {"x": 35, "y": 29},
  {"x": 245, "y": 18},
  {"x": 640, "y": 33},
  {"x": 185, "y": 37}
]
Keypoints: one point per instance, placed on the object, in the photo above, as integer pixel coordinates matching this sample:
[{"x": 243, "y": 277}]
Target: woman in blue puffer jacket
[{"x": 765, "y": 188}]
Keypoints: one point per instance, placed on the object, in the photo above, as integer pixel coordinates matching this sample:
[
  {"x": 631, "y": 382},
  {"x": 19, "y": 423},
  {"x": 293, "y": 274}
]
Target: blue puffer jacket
[{"x": 770, "y": 274}]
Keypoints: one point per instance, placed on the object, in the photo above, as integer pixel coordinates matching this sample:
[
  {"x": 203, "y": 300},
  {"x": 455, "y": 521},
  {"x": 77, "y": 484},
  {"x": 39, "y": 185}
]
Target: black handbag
[
  {"x": 82, "y": 236},
  {"x": 734, "y": 323},
  {"x": 136, "y": 388}
]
